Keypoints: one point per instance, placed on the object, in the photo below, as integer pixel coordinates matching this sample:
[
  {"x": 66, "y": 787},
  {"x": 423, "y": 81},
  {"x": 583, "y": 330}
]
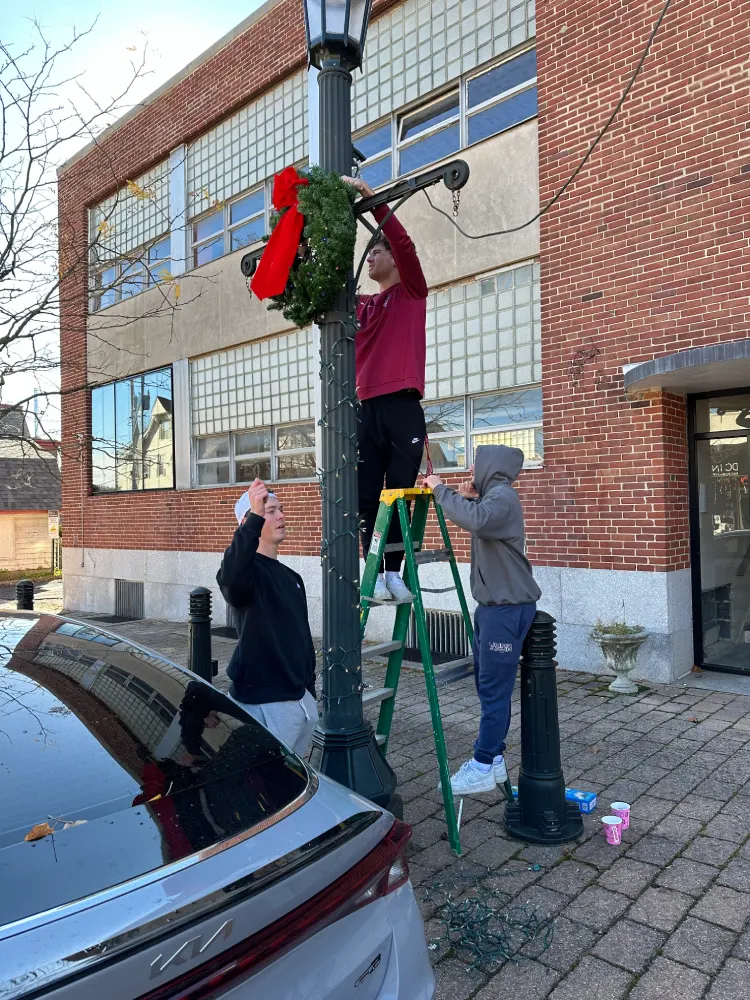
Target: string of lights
[{"x": 340, "y": 532}]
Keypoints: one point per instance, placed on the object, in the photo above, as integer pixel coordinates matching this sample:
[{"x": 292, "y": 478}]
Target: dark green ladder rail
[{"x": 412, "y": 531}]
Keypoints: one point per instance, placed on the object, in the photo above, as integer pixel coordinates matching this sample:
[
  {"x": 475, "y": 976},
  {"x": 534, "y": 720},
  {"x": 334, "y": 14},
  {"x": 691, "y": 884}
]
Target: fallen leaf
[
  {"x": 39, "y": 831},
  {"x": 692, "y": 719},
  {"x": 76, "y": 822},
  {"x": 695, "y": 670},
  {"x": 596, "y": 749}
]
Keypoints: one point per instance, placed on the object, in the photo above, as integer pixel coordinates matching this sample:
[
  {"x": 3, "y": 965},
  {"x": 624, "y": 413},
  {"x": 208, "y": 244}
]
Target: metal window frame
[
  {"x": 464, "y": 112},
  {"x": 522, "y": 426},
  {"x": 228, "y": 228},
  {"x": 469, "y": 432},
  {"x": 510, "y": 92},
  {"x": 693, "y": 436},
  {"x": 115, "y": 382},
  {"x": 275, "y": 451},
  {"x": 137, "y": 258},
  {"x": 233, "y": 456}
]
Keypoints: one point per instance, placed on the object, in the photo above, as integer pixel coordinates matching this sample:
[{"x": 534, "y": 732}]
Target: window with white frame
[
  {"x": 501, "y": 97},
  {"x": 512, "y": 418},
  {"x": 270, "y": 453},
  {"x": 429, "y": 133},
  {"x": 130, "y": 275},
  {"x": 481, "y": 105},
  {"x": 236, "y": 224}
]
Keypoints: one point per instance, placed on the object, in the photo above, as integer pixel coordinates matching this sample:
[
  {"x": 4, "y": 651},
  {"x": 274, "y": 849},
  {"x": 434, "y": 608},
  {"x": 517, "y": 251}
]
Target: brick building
[{"x": 608, "y": 340}]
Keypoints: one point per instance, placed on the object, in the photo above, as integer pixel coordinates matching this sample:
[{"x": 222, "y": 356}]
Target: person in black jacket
[{"x": 272, "y": 669}]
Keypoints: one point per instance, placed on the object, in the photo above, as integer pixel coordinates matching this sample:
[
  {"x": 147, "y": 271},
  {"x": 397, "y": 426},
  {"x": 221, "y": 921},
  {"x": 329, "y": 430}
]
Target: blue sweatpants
[{"x": 499, "y": 632}]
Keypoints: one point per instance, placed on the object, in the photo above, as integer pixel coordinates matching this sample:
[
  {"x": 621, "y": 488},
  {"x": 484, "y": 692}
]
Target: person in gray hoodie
[{"x": 506, "y": 594}]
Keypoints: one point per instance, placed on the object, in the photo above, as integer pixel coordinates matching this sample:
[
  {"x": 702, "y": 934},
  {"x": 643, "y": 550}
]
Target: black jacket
[{"x": 275, "y": 658}]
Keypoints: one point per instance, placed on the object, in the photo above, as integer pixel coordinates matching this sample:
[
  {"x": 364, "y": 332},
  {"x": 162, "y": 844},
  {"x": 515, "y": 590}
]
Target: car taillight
[{"x": 382, "y": 871}]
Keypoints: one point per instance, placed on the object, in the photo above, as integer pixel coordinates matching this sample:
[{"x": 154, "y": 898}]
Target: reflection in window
[
  {"x": 284, "y": 452},
  {"x": 512, "y": 418},
  {"x": 446, "y": 432},
  {"x": 723, "y": 413},
  {"x": 230, "y": 226},
  {"x": 140, "y": 269},
  {"x": 515, "y": 420},
  {"x": 132, "y": 434},
  {"x": 428, "y": 134}
]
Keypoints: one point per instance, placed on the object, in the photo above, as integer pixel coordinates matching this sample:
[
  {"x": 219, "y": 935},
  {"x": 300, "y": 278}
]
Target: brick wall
[
  {"x": 648, "y": 253},
  {"x": 266, "y": 53}
]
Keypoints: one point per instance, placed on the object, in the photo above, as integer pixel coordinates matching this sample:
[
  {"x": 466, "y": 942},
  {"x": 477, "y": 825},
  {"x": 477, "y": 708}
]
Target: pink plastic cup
[
  {"x": 621, "y": 809},
  {"x": 612, "y": 829}
]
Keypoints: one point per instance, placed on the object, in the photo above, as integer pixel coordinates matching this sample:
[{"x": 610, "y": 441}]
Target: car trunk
[{"x": 144, "y": 807}]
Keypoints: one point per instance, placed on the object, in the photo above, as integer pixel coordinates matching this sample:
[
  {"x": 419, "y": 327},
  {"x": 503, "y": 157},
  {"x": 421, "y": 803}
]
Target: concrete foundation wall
[{"x": 575, "y": 597}]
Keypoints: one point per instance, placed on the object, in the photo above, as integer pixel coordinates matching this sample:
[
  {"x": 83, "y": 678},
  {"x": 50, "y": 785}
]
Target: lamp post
[{"x": 344, "y": 745}]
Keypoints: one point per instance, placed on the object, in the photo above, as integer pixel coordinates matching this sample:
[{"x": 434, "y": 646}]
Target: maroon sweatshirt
[{"x": 391, "y": 337}]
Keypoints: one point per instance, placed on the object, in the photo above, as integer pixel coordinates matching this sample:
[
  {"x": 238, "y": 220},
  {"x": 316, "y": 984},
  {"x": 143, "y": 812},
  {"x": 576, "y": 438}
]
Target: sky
[{"x": 173, "y": 34}]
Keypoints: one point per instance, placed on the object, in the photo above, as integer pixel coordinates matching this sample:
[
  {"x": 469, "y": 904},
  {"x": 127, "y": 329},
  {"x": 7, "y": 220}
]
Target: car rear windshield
[{"x": 115, "y": 762}]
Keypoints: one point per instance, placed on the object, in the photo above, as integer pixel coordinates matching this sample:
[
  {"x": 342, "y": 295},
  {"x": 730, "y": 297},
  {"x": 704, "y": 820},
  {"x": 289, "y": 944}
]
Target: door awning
[{"x": 699, "y": 369}]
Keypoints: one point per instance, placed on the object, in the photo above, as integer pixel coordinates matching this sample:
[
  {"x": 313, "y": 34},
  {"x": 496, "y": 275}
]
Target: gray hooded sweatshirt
[{"x": 500, "y": 572}]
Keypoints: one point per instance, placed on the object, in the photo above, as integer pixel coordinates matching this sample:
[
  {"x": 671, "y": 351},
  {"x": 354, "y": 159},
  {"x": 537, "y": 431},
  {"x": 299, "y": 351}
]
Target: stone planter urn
[{"x": 620, "y": 651}]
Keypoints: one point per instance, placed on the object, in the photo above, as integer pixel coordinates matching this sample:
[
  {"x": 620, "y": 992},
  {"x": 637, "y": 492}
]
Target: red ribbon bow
[{"x": 274, "y": 266}]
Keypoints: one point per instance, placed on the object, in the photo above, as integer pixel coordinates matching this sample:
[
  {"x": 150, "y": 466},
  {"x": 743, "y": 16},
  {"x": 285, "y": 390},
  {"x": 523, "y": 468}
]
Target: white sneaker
[
  {"x": 469, "y": 780},
  {"x": 398, "y": 589},
  {"x": 500, "y": 771},
  {"x": 381, "y": 592}
]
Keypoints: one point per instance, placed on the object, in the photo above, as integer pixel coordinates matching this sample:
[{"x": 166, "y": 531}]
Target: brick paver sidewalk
[{"x": 663, "y": 917}]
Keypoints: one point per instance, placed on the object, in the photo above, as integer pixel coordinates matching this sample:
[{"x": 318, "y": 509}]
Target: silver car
[{"x": 156, "y": 842}]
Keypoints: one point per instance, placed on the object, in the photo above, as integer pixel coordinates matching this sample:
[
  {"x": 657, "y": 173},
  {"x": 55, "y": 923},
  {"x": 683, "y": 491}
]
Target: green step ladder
[{"x": 412, "y": 531}]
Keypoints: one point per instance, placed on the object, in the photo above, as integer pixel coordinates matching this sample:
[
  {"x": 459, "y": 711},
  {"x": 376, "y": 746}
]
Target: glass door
[{"x": 721, "y": 531}]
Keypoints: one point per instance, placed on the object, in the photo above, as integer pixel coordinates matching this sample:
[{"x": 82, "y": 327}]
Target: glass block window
[
  {"x": 494, "y": 100},
  {"x": 252, "y": 145},
  {"x": 484, "y": 335},
  {"x": 422, "y": 45},
  {"x": 263, "y": 384},
  {"x": 268, "y": 453},
  {"x": 133, "y": 217}
]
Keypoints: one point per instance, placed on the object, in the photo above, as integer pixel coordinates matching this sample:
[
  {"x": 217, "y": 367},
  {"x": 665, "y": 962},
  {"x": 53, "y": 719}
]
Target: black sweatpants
[{"x": 390, "y": 436}]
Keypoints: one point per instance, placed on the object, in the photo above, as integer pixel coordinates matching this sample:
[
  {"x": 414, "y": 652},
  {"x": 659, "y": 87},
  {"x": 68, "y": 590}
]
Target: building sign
[{"x": 53, "y": 523}]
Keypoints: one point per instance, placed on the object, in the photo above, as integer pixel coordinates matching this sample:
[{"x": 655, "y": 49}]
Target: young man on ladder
[
  {"x": 506, "y": 594},
  {"x": 391, "y": 347}
]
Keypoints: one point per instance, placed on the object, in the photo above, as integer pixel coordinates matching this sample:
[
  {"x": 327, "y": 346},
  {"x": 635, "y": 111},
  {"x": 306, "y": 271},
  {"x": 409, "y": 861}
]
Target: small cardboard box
[{"x": 586, "y": 801}]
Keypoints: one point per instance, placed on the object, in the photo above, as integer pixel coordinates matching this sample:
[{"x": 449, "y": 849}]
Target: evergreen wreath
[{"x": 329, "y": 235}]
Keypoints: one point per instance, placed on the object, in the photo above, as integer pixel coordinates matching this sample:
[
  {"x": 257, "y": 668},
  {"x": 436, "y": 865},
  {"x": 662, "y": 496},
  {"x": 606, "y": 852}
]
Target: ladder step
[
  {"x": 382, "y": 649},
  {"x": 376, "y": 695},
  {"x": 437, "y": 590},
  {"x": 387, "y": 603},
  {"x": 432, "y": 556},
  {"x": 380, "y": 739},
  {"x": 442, "y": 668},
  {"x": 399, "y": 547}
]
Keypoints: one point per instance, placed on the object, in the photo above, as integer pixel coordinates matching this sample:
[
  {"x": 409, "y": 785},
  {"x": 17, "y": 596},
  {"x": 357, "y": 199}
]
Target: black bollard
[
  {"x": 541, "y": 814},
  {"x": 199, "y": 651},
  {"x": 25, "y": 595}
]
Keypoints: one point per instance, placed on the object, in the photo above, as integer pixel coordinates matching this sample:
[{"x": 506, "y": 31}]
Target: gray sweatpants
[{"x": 292, "y": 722}]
